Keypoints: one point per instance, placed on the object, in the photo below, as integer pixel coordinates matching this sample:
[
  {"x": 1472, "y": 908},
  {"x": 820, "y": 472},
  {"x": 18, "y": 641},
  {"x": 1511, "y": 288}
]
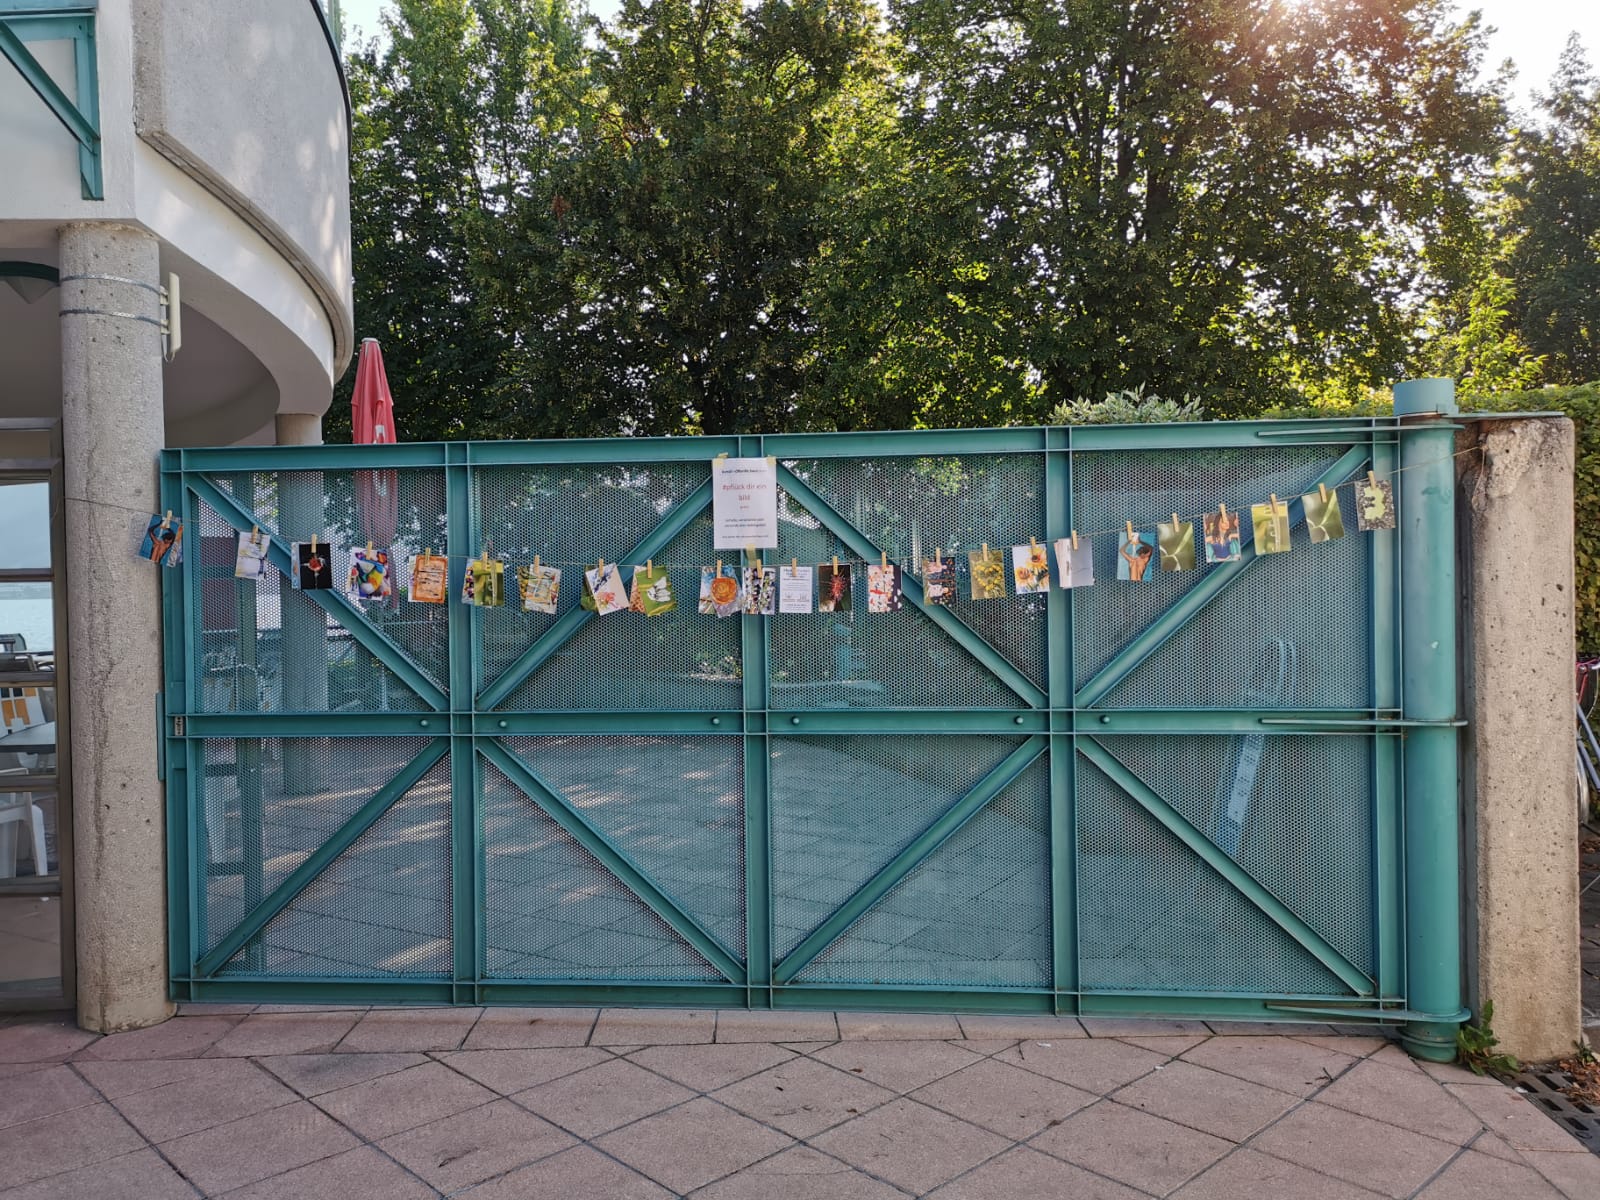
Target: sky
[{"x": 1532, "y": 32}]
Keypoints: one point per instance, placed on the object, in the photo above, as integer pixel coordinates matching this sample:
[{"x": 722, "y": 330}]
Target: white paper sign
[
  {"x": 744, "y": 503},
  {"x": 794, "y": 589}
]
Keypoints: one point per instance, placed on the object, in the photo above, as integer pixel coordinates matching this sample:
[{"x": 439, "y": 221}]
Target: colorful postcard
[
  {"x": 1176, "y": 542},
  {"x": 939, "y": 581},
  {"x": 539, "y": 587},
  {"x": 1375, "y": 505},
  {"x": 727, "y": 597},
  {"x": 988, "y": 570},
  {"x": 794, "y": 588},
  {"x": 368, "y": 578},
  {"x": 884, "y": 589},
  {"x": 833, "y": 588},
  {"x": 1324, "y": 521},
  {"x": 430, "y": 578},
  {"x": 484, "y": 584},
  {"x": 251, "y": 561},
  {"x": 313, "y": 566},
  {"x": 606, "y": 591},
  {"x": 1222, "y": 537},
  {"x": 1075, "y": 563},
  {"x": 760, "y": 591},
  {"x": 1030, "y": 569},
  {"x": 159, "y": 539},
  {"x": 652, "y": 591},
  {"x": 708, "y": 579},
  {"x": 1135, "y": 553},
  {"x": 1271, "y": 525}
]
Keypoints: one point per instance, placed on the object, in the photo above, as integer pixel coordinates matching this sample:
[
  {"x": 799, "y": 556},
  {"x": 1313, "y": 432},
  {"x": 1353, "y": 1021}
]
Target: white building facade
[{"x": 143, "y": 140}]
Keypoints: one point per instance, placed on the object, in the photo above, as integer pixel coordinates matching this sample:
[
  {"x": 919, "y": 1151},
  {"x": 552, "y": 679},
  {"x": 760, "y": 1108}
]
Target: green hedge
[{"x": 1581, "y": 402}]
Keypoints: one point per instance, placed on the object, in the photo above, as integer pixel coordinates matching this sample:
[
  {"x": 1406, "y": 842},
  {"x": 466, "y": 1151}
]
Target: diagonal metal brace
[
  {"x": 1275, "y": 910},
  {"x": 364, "y": 819},
  {"x": 576, "y": 826},
  {"x": 36, "y": 77},
  {"x": 897, "y": 868}
]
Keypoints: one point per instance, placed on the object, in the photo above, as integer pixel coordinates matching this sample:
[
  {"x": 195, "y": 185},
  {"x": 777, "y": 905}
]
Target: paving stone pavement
[{"x": 302, "y": 1103}]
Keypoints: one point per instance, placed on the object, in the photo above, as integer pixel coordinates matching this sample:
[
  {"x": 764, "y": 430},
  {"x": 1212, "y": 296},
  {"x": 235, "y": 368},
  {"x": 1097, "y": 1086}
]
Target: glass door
[{"x": 35, "y": 843}]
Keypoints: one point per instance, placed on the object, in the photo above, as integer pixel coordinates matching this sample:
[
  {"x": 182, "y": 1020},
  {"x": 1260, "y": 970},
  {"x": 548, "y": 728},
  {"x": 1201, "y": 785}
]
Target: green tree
[
  {"x": 1207, "y": 196},
  {"x": 467, "y": 107},
  {"x": 1552, "y": 224}
]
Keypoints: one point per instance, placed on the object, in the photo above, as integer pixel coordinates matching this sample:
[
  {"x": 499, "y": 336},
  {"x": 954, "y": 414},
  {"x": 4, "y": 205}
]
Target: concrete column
[
  {"x": 112, "y": 430},
  {"x": 303, "y": 650},
  {"x": 1521, "y": 802}
]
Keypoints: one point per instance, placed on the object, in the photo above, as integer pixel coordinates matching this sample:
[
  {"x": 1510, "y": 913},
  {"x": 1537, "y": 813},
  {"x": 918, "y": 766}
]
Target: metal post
[{"x": 1426, "y": 508}]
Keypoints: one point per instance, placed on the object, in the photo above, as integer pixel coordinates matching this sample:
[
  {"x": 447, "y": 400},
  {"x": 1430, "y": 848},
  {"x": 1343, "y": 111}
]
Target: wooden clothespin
[
  {"x": 1074, "y": 539},
  {"x": 255, "y": 535},
  {"x": 1322, "y": 490},
  {"x": 649, "y": 566},
  {"x": 600, "y": 565},
  {"x": 369, "y": 551},
  {"x": 1174, "y": 522},
  {"x": 1033, "y": 543},
  {"x": 428, "y": 553},
  {"x": 1223, "y": 509},
  {"x": 835, "y": 564},
  {"x": 986, "y": 550},
  {"x": 535, "y": 562},
  {"x": 166, "y": 521},
  {"x": 754, "y": 556},
  {"x": 794, "y": 568},
  {"x": 883, "y": 559},
  {"x": 719, "y": 568},
  {"x": 313, "y": 543},
  {"x": 1130, "y": 531},
  {"x": 1273, "y": 499},
  {"x": 1372, "y": 481},
  {"x": 938, "y": 558}
]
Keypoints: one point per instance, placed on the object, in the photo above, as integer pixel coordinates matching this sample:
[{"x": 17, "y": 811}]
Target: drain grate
[{"x": 1543, "y": 1089}]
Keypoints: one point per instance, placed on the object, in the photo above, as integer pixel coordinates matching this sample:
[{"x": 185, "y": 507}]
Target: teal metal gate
[{"x": 1184, "y": 797}]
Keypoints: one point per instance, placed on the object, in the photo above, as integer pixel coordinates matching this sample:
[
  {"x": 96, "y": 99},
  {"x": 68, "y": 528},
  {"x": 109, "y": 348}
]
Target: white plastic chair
[{"x": 18, "y": 808}]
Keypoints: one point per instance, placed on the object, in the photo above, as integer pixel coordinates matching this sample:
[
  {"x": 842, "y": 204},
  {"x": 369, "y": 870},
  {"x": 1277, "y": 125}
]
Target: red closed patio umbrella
[{"x": 372, "y": 424}]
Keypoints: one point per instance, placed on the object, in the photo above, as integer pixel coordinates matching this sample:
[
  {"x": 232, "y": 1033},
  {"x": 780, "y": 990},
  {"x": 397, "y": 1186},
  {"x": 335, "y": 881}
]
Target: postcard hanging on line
[
  {"x": 1271, "y": 525},
  {"x": 430, "y": 578},
  {"x": 1176, "y": 542},
  {"x": 1030, "y": 569},
  {"x": 988, "y": 570},
  {"x": 939, "y": 581},
  {"x": 1222, "y": 537},
  {"x": 539, "y": 587},
  {"x": 1324, "y": 520},
  {"x": 652, "y": 591},
  {"x": 833, "y": 587},
  {"x": 1075, "y": 563},
  {"x": 744, "y": 503},
  {"x": 884, "y": 594},
  {"x": 251, "y": 560},
  {"x": 794, "y": 588},
  {"x": 1374, "y": 505},
  {"x": 369, "y": 575},
  {"x": 313, "y": 566},
  {"x": 484, "y": 584},
  {"x": 605, "y": 588},
  {"x": 158, "y": 539},
  {"x": 760, "y": 591},
  {"x": 709, "y": 588},
  {"x": 1135, "y": 554}
]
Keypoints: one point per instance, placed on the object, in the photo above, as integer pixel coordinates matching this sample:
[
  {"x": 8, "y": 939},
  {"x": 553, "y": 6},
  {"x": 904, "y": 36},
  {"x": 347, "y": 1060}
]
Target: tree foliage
[{"x": 712, "y": 216}]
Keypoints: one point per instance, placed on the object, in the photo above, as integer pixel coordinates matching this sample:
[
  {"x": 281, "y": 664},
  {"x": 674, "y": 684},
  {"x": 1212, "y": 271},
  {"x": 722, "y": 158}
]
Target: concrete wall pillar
[
  {"x": 1521, "y": 806},
  {"x": 112, "y": 431},
  {"x": 299, "y": 429}
]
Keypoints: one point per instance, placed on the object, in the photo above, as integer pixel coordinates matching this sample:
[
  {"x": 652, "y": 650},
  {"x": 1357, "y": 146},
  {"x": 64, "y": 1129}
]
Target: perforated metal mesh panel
[
  {"x": 976, "y": 912},
  {"x": 262, "y": 805},
  {"x": 675, "y": 806},
  {"x": 381, "y": 908},
  {"x": 908, "y": 507},
  {"x": 247, "y": 629},
  {"x": 1152, "y": 917},
  {"x": 1292, "y": 632},
  {"x": 551, "y": 911},
  {"x": 842, "y": 807},
  {"x": 1307, "y": 810},
  {"x": 571, "y": 517}
]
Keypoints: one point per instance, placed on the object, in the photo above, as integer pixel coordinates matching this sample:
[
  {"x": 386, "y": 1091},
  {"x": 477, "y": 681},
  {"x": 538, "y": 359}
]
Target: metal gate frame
[{"x": 1411, "y": 722}]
